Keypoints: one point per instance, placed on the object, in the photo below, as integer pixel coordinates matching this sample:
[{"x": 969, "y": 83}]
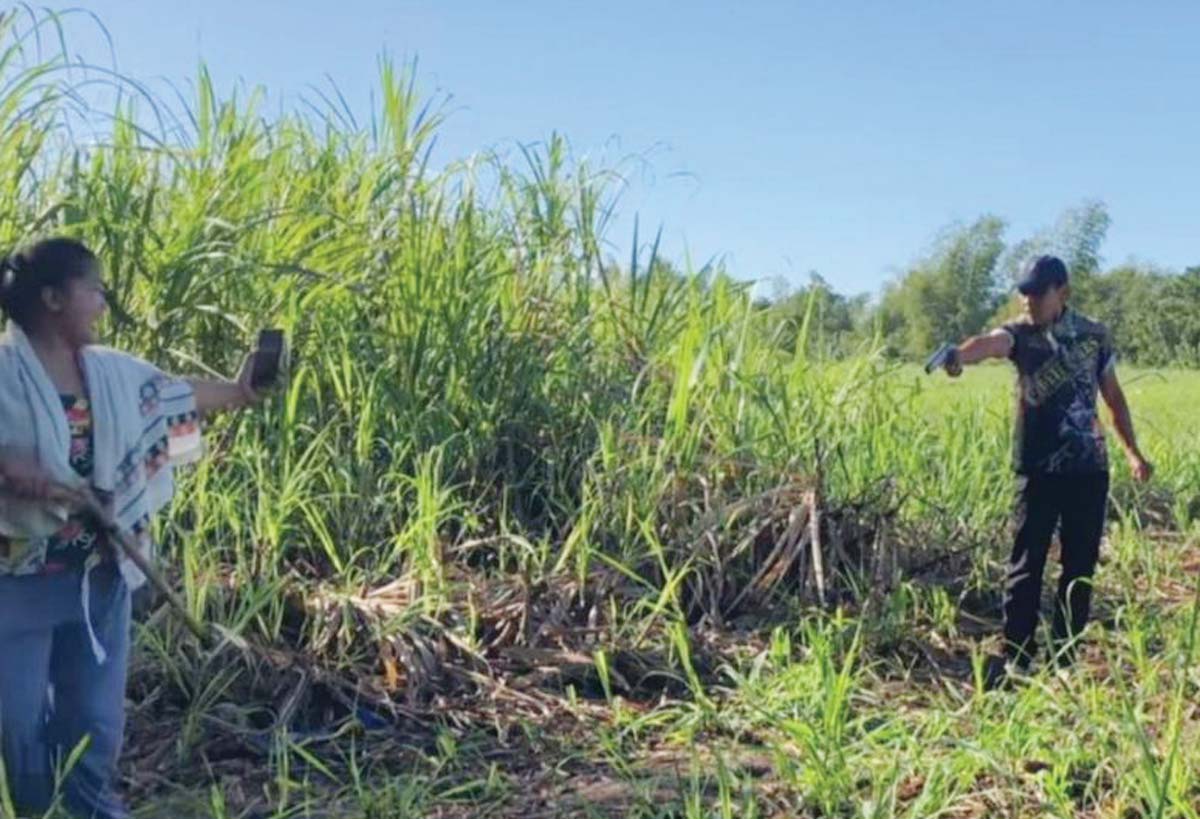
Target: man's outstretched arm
[{"x": 996, "y": 344}]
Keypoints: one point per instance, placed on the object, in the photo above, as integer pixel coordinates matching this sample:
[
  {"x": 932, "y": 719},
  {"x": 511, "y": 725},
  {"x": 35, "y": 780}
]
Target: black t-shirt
[{"x": 1059, "y": 370}]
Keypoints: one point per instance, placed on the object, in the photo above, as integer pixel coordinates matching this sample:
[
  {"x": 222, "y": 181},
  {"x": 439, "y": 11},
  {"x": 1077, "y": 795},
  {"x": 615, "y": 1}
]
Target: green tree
[
  {"x": 833, "y": 319},
  {"x": 1075, "y": 237},
  {"x": 1125, "y": 299},
  {"x": 949, "y": 294},
  {"x": 1181, "y": 310}
]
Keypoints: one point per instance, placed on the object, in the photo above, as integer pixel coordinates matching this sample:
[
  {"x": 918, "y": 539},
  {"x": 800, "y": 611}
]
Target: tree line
[{"x": 964, "y": 285}]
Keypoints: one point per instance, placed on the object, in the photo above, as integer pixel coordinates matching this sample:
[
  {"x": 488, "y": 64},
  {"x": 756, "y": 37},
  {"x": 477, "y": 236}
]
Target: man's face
[{"x": 1043, "y": 308}]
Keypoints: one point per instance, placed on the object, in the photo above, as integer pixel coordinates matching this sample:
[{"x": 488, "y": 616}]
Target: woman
[{"x": 76, "y": 418}]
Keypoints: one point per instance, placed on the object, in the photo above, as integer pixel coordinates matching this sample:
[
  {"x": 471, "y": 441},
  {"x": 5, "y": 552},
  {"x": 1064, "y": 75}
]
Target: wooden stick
[
  {"x": 130, "y": 550},
  {"x": 92, "y": 505}
]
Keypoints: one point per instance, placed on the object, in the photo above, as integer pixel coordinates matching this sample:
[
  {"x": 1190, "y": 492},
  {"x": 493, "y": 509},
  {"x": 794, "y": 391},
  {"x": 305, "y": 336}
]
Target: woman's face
[{"x": 75, "y": 310}]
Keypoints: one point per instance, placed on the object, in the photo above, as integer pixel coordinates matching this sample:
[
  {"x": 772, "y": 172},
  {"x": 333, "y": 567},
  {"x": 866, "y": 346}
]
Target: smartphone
[{"x": 268, "y": 359}]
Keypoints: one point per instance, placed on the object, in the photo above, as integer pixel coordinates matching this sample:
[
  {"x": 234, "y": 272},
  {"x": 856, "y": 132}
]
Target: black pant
[{"x": 1079, "y": 502}]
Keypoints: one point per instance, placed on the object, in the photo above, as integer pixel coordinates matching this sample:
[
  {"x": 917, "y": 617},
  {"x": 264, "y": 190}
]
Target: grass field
[
  {"x": 534, "y": 533},
  {"x": 869, "y": 707}
]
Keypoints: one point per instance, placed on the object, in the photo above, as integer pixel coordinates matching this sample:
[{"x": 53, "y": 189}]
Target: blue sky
[{"x": 783, "y": 137}]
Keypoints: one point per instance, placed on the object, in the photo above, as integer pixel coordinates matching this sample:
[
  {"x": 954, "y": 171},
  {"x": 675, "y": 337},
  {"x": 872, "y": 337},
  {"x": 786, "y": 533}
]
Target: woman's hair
[{"x": 49, "y": 263}]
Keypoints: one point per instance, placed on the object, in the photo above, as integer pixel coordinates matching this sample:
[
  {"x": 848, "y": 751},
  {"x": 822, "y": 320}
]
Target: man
[{"x": 1059, "y": 454}]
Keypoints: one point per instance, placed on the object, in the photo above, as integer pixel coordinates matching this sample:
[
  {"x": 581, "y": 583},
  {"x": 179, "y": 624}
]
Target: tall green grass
[{"x": 481, "y": 387}]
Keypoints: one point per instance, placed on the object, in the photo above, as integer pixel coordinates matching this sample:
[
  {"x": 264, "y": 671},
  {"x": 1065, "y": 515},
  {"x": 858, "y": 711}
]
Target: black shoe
[
  {"x": 1064, "y": 654},
  {"x": 995, "y": 674},
  {"x": 1000, "y": 670}
]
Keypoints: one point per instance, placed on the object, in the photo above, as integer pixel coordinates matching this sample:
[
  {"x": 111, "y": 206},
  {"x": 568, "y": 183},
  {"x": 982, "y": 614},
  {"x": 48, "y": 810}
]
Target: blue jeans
[{"x": 44, "y": 646}]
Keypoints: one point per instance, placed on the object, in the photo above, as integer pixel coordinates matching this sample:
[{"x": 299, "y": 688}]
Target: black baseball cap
[{"x": 1041, "y": 274}]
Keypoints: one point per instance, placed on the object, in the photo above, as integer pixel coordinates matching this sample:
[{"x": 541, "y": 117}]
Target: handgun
[{"x": 942, "y": 355}]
